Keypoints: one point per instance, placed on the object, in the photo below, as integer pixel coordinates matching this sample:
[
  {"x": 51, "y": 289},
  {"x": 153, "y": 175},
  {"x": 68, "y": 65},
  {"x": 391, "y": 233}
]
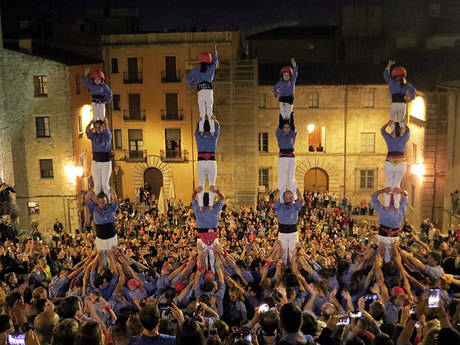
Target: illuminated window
[
  {"x": 263, "y": 142},
  {"x": 80, "y": 124},
  {"x": 368, "y": 142},
  {"x": 366, "y": 179},
  {"x": 264, "y": 178},
  {"x": 173, "y": 143},
  {"x": 42, "y": 125},
  {"x": 412, "y": 195},
  {"x": 118, "y": 139},
  {"x": 368, "y": 98},
  {"x": 136, "y": 143},
  {"x": 46, "y": 168},
  {"x": 40, "y": 86},
  {"x": 434, "y": 10},
  {"x": 313, "y": 100},
  {"x": 316, "y": 138}
]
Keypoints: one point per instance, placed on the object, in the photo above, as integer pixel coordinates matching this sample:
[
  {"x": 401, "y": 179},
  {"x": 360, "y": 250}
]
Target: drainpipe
[{"x": 345, "y": 115}]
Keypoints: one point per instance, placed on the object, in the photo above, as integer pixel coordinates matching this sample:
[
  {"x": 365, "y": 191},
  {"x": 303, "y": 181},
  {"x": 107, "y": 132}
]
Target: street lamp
[
  {"x": 72, "y": 172},
  {"x": 418, "y": 170},
  {"x": 86, "y": 115},
  {"x": 418, "y": 108},
  {"x": 310, "y": 128}
]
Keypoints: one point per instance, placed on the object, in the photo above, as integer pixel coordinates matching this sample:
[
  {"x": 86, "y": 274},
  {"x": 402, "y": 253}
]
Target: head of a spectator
[
  {"x": 367, "y": 337},
  {"x": 433, "y": 259},
  {"x": 150, "y": 317},
  {"x": 327, "y": 309},
  {"x": 377, "y": 310},
  {"x": 190, "y": 333},
  {"x": 11, "y": 279},
  {"x": 39, "y": 293},
  {"x": 222, "y": 329},
  {"x": 288, "y": 197},
  {"x": 290, "y": 318},
  {"x": 166, "y": 327},
  {"x": 448, "y": 336},
  {"x": 94, "y": 295},
  {"x": 309, "y": 324},
  {"x": 13, "y": 298},
  {"x": 210, "y": 286},
  {"x": 44, "y": 325},
  {"x": 65, "y": 332},
  {"x": 213, "y": 341},
  {"x": 235, "y": 294},
  {"x": 69, "y": 307},
  {"x": 355, "y": 341},
  {"x": 90, "y": 334},
  {"x": 383, "y": 339},
  {"x": 269, "y": 322},
  {"x": 6, "y": 324},
  {"x": 254, "y": 289}
]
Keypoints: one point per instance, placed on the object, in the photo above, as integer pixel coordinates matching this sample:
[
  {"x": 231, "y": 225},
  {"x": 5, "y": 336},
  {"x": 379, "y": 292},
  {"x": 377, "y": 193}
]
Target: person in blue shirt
[
  {"x": 100, "y": 93},
  {"x": 288, "y": 216},
  {"x": 104, "y": 215},
  {"x": 285, "y": 88},
  {"x": 395, "y": 163},
  {"x": 201, "y": 77},
  {"x": 390, "y": 219},
  {"x": 206, "y": 165},
  {"x": 206, "y": 223},
  {"x": 286, "y": 135},
  {"x": 401, "y": 91},
  {"x": 101, "y": 167}
]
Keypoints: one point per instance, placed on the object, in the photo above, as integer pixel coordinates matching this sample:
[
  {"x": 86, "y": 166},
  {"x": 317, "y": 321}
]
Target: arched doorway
[
  {"x": 316, "y": 179},
  {"x": 154, "y": 178}
]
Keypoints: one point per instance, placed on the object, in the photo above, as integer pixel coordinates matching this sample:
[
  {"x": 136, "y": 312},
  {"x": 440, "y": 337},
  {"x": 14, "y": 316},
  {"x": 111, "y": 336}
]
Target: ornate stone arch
[
  {"x": 330, "y": 164},
  {"x": 154, "y": 162}
]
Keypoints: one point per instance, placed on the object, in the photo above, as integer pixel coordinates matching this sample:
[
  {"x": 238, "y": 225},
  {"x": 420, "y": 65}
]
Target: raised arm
[
  {"x": 90, "y": 196},
  {"x": 85, "y": 78}
]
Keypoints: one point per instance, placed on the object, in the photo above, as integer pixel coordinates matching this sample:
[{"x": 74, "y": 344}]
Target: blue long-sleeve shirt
[
  {"x": 207, "y": 142},
  {"x": 195, "y": 77},
  {"x": 100, "y": 142},
  {"x": 207, "y": 219},
  {"x": 105, "y": 216},
  {"x": 286, "y": 87},
  {"x": 395, "y": 85},
  {"x": 288, "y": 214},
  {"x": 392, "y": 217},
  {"x": 397, "y": 144},
  {"x": 99, "y": 93},
  {"x": 286, "y": 141}
]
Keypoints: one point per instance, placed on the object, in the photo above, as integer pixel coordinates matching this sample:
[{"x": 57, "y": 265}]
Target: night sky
[{"x": 155, "y": 15}]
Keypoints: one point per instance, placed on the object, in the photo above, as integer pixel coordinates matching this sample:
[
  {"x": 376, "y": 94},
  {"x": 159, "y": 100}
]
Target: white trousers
[
  {"x": 387, "y": 243},
  {"x": 206, "y": 168},
  {"x": 205, "y": 102},
  {"x": 286, "y": 170},
  {"x": 106, "y": 244},
  {"x": 101, "y": 172},
  {"x": 393, "y": 177},
  {"x": 288, "y": 242},
  {"x": 210, "y": 250},
  {"x": 286, "y": 110},
  {"x": 98, "y": 111},
  {"x": 398, "y": 114}
]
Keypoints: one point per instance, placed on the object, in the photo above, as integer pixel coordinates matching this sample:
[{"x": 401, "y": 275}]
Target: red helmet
[
  {"x": 205, "y": 57},
  {"x": 97, "y": 74},
  {"x": 287, "y": 69},
  {"x": 398, "y": 72}
]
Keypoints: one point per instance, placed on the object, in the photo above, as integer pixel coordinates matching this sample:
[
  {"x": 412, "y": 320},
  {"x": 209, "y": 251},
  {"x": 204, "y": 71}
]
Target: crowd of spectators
[{"x": 155, "y": 288}]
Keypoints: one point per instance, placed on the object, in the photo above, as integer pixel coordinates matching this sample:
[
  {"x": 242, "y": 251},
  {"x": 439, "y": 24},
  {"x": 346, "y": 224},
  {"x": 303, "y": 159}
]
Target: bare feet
[
  {"x": 212, "y": 134},
  {"x": 201, "y": 208},
  {"x": 201, "y": 133},
  {"x": 211, "y": 208}
]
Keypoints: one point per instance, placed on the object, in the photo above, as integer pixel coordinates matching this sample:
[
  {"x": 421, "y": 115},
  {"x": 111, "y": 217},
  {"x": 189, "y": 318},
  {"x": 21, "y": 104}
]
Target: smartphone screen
[
  {"x": 356, "y": 314},
  {"x": 263, "y": 308},
  {"x": 371, "y": 296},
  {"x": 16, "y": 339},
  {"x": 213, "y": 332},
  {"x": 248, "y": 337},
  {"x": 344, "y": 321},
  {"x": 433, "y": 298},
  {"x": 164, "y": 306}
]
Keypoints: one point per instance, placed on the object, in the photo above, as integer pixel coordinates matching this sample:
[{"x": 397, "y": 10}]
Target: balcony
[
  {"x": 138, "y": 115},
  {"x": 177, "y": 116},
  {"x": 170, "y": 77},
  {"x": 132, "y": 77},
  {"x": 134, "y": 156},
  {"x": 174, "y": 155}
]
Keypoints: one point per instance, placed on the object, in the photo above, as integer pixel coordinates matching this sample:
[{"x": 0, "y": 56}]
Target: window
[
  {"x": 46, "y": 168},
  {"x": 136, "y": 143},
  {"x": 368, "y": 99},
  {"x": 134, "y": 106},
  {"x": 80, "y": 124},
  {"x": 263, "y": 142},
  {"x": 133, "y": 76},
  {"x": 84, "y": 163},
  {"x": 116, "y": 102},
  {"x": 114, "y": 64},
  {"x": 264, "y": 178},
  {"x": 40, "y": 86},
  {"x": 368, "y": 142},
  {"x": 43, "y": 126},
  {"x": 412, "y": 196},
  {"x": 366, "y": 179},
  {"x": 316, "y": 138},
  {"x": 172, "y": 111},
  {"x": 434, "y": 9},
  {"x": 170, "y": 75},
  {"x": 313, "y": 100},
  {"x": 414, "y": 153},
  {"x": 173, "y": 143},
  {"x": 118, "y": 143},
  {"x": 77, "y": 84},
  {"x": 263, "y": 100}
]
